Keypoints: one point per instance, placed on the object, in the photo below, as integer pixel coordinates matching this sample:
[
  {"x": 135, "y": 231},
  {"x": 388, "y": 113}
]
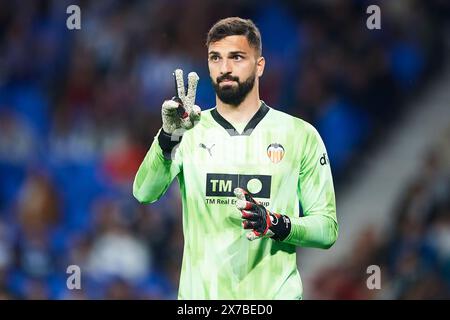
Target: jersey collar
[{"x": 258, "y": 116}]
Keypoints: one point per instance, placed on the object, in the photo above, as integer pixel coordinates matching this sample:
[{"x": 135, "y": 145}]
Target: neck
[{"x": 244, "y": 111}]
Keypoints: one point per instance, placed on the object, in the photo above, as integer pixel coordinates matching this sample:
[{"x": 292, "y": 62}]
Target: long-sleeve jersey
[{"x": 282, "y": 161}]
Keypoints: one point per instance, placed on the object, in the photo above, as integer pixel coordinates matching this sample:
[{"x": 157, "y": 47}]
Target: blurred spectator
[
  {"x": 415, "y": 257},
  {"x": 115, "y": 251}
]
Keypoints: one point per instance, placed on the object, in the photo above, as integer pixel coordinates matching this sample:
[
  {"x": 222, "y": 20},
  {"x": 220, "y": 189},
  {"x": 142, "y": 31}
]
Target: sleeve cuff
[
  {"x": 296, "y": 233},
  {"x": 168, "y": 142}
]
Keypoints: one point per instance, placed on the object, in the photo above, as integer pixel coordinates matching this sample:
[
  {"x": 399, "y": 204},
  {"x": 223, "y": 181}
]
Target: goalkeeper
[{"x": 243, "y": 169}]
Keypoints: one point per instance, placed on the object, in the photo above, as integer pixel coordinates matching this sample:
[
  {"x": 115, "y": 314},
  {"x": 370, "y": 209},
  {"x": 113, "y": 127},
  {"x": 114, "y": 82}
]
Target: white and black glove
[{"x": 179, "y": 114}]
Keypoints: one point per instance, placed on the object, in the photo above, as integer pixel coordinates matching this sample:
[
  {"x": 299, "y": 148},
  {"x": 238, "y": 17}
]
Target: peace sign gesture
[{"x": 181, "y": 112}]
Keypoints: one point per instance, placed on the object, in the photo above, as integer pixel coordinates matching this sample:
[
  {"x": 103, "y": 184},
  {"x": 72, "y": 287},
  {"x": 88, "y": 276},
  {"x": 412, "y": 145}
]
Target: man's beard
[{"x": 231, "y": 94}]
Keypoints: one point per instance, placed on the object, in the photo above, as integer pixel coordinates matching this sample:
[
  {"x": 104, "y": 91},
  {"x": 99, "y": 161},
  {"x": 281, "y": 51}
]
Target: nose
[{"x": 225, "y": 67}]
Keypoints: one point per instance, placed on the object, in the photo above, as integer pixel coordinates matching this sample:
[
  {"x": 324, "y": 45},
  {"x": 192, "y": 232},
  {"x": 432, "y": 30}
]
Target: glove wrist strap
[
  {"x": 168, "y": 142},
  {"x": 281, "y": 226}
]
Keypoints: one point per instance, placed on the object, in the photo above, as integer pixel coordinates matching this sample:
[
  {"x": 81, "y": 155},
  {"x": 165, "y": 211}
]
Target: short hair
[{"x": 235, "y": 26}]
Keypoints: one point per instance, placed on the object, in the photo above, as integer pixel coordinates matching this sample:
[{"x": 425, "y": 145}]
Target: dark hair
[{"x": 235, "y": 26}]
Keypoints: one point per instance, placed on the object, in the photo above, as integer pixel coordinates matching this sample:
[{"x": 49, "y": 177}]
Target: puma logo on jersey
[{"x": 202, "y": 145}]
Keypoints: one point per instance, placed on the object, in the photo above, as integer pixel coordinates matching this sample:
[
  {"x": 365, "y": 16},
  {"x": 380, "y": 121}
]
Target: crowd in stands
[{"x": 79, "y": 109}]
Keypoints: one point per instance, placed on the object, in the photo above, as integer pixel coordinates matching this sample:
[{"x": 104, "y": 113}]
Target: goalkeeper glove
[
  {"x": 180, "y": 113},
  {"x": 261, "y": 221}
]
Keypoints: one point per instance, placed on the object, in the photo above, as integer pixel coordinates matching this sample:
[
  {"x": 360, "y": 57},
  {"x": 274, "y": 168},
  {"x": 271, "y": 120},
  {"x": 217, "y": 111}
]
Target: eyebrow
[
  {"x": 230, "y": 53},
  {"x": 238, "y": 52}
]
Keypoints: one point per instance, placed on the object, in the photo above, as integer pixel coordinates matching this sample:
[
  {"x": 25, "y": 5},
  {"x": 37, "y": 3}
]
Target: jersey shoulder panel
[{"x": 292, "y": 122}]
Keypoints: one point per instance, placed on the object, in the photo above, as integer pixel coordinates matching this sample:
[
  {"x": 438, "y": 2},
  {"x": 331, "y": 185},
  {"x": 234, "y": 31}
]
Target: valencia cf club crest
[{"x": 275, "y": 152}]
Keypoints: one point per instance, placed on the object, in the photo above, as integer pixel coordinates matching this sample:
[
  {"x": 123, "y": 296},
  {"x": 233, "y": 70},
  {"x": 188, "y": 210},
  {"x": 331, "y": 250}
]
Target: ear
[{"x": 260, "y": 64}]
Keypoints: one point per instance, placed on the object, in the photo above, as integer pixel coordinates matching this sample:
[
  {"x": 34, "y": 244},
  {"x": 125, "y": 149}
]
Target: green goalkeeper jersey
[{"x": 278, "y": 158}]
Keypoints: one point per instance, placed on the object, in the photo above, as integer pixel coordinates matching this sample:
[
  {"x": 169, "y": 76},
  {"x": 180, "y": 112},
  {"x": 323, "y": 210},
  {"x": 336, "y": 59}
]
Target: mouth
[{"x": 227, "y": 82}]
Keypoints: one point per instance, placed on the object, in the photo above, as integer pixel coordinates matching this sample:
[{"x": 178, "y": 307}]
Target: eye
[
  {"x": 214, "y": 58},
  {"x": 238, "y": 58}
]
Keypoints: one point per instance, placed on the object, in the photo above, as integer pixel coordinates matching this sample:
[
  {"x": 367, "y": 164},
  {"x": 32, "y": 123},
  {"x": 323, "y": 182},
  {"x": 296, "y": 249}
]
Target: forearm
[
  {"x": 155, "y": 173},
  {"x": 318, "y": 231}
]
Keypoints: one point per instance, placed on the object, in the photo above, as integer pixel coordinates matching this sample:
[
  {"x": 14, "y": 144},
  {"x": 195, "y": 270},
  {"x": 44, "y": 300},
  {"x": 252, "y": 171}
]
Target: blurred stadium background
[{"x": 79, "y": 109}]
